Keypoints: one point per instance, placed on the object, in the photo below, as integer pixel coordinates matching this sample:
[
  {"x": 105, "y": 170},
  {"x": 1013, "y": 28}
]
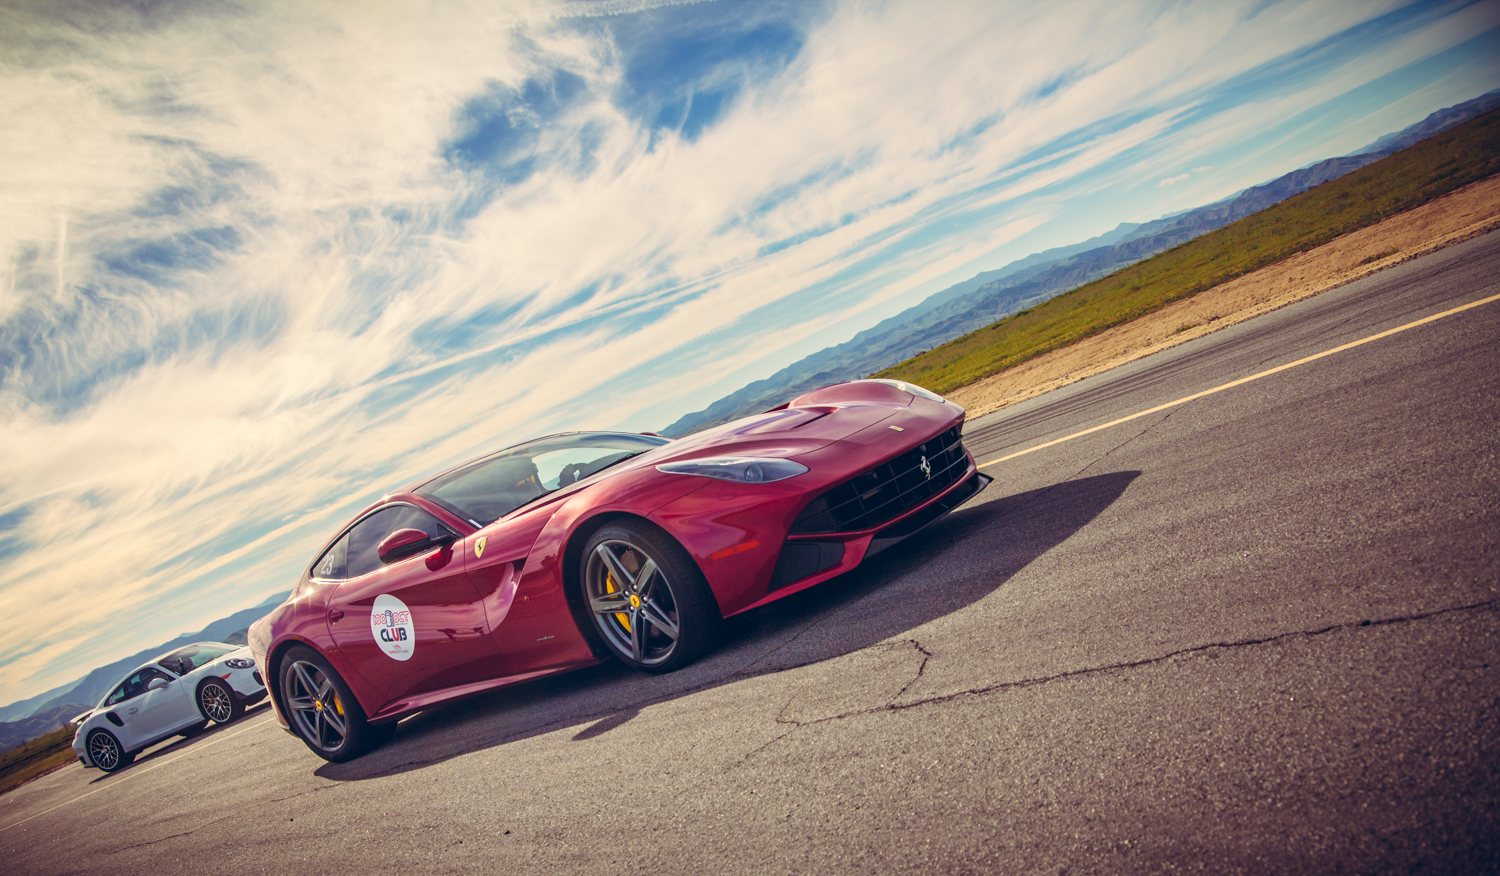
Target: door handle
[{"x": 334, "y": 615}]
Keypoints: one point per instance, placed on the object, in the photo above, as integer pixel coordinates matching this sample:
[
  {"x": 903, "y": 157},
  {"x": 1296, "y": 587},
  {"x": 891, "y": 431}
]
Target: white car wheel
[
  {"x": 218, "y": 703},
  {"x": 106, "y": 752}
]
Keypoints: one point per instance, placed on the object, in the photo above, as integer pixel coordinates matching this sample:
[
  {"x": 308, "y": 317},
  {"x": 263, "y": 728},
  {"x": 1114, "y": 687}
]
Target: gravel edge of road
[{"x": 1095, "y": 355}]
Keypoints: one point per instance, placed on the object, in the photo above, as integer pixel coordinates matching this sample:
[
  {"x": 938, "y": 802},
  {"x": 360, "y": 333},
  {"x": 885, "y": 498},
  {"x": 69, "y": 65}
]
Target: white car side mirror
[{"x": 157, "y": 684}]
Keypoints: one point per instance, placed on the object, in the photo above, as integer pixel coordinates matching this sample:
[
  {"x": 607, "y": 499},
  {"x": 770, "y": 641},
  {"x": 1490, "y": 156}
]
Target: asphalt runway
[{"x": 1255, "y": 632}]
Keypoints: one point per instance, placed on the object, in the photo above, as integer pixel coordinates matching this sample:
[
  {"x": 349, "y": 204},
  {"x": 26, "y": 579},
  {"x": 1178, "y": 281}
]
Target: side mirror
[
  {"x": 157, "y": 684},
  {"x": 405, "y": 542}
]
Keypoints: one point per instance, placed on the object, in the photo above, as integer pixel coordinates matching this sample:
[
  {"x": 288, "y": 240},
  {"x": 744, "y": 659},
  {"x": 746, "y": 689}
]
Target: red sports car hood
[
  {"x": 807, "y": 424},
  {"x": 787, "y": 432},
  {"x": 782, "y": 433}
]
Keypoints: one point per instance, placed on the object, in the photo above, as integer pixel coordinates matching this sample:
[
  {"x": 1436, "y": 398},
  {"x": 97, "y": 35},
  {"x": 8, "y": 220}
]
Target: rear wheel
[
  {"x": 323, "y": 710},
  {"x": 647, "y": 598},
  {"x": 107, "y": 753},
  {"x": 218, "y": 703}
]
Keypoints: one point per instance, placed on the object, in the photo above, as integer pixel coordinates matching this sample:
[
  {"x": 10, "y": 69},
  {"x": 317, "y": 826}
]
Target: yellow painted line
[
  {"x": 1243, "y": 380},
  {"x": 133, "y": 773}
]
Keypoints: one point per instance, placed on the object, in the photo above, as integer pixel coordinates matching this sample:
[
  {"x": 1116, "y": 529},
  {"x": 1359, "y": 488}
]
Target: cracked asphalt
[{"x": 1254, "y": 633}]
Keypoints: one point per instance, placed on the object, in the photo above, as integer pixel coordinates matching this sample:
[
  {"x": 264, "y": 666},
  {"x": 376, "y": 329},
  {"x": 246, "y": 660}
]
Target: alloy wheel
[
  {"x": 315, "y": 707},
  {"x": 632, "y": 602},
  {"x": 216, "y": 703},
  {"x": 104, "y": 751}
]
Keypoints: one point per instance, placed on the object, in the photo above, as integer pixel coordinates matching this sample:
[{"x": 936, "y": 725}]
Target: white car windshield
[{"x": 185, "y": 660}]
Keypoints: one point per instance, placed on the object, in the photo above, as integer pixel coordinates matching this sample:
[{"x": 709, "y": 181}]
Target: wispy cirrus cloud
[{"x": 263, "y": 263}]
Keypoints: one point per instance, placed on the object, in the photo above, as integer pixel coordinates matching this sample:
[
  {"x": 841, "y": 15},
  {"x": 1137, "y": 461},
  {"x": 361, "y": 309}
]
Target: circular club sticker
[{"x": 390, "y": 623}]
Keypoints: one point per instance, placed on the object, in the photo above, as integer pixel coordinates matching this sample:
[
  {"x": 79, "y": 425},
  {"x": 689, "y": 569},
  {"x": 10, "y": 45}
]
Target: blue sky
[{"x": 262, "y": 263}]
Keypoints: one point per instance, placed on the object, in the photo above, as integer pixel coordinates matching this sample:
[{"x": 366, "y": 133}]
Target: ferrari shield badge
[{"x": 479, "y": 546}]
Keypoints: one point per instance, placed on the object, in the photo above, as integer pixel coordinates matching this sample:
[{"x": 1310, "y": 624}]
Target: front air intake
[{"x": 873, "y": 498}]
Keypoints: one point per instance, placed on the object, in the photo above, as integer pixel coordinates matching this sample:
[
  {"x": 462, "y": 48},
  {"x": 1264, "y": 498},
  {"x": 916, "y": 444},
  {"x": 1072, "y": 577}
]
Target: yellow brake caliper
[{"x": 609, "y": 587}]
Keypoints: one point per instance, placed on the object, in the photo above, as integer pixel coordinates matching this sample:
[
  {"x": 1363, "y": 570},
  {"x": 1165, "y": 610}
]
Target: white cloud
[{"x": 1173, "y": 180}]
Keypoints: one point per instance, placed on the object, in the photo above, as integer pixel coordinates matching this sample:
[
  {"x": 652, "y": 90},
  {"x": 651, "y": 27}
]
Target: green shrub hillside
[{"x": 1467, "y": 153}]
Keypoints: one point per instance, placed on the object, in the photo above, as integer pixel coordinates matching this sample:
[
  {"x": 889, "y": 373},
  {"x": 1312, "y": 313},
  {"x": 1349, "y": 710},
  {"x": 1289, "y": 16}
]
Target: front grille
[{"x": 888, "y": 490}]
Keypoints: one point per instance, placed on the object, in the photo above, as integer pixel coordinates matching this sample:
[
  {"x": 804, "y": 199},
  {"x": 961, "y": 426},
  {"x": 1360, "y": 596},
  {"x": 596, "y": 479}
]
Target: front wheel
[
  {"x": 107, "y": 753},
  {"x": 218, "y": 703},
  {"x": 648, "y": 600},
  {"x": 323, "y": 710}
]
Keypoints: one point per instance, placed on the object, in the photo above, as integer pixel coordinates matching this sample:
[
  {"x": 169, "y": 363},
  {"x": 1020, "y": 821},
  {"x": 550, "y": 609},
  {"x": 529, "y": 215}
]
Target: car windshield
[
  {"x": 491, "y": 488},
  {"x": 193, "y": 656}
]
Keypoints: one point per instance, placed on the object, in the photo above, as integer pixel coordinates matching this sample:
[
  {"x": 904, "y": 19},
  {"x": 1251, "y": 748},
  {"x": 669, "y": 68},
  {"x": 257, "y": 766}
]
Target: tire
[
  {"x": 647, "y": 598},
  {"x": 106, "y": 752},
  {"x": 218, "y": 703},
  {"x": 323, "y": 711}
]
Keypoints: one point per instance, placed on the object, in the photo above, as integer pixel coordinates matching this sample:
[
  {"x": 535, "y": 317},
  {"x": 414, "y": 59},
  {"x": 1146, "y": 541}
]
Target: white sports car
[{"x": 177, "y": 693}]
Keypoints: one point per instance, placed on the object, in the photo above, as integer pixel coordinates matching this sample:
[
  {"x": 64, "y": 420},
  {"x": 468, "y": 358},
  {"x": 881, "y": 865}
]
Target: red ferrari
[{"x": 560, "y": 552}]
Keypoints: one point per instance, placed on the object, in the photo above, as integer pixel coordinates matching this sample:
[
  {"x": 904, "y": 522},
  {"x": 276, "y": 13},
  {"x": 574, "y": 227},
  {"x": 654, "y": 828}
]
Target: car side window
[
  {"x": 331, "y": 564},
  {"x": 135, "y": 685},
  {"x": 367, "y": 535},
  {"x": 117, "y": 695}
]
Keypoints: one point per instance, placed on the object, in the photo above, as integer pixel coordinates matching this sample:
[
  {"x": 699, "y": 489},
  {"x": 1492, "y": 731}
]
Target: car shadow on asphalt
[
  {"x": 946, "y": 567},
  {"x": 183, "y": 743}
]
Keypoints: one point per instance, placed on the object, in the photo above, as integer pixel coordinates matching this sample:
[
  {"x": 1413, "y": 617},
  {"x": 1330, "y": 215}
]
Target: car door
[
  {"x": 413, "y": 625},
  {"x": 114, "y": 707},
  {"x": 151, "y": 714}
]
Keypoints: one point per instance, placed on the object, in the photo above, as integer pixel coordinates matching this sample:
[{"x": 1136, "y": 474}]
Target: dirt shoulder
[{"x": 1468, "y": 212}]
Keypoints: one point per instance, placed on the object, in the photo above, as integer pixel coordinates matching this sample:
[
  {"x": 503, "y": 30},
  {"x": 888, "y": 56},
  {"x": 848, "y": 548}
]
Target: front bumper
[
  {"x": 804, "y": 556},
  {"x": 245, "y": 682},
  {"x": 754, "y": 543},
  {"x": 873, "y": 499}
]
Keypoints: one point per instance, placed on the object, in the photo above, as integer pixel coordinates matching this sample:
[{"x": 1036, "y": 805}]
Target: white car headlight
[{"x": 739, "y": 469}]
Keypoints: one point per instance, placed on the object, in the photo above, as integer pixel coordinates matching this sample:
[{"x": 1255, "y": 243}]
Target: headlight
[
  {"x": 240, "y": 663},
  {"x": 740, "y": 469},
  {"x": 908, "y": 387}
]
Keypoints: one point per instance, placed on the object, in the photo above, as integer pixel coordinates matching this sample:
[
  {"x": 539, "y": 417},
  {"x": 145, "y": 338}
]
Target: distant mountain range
[
  {"x": 45, "y": 712},
  {"x": 993, "y": 295},
  {"x": 14, "y": 733}
]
